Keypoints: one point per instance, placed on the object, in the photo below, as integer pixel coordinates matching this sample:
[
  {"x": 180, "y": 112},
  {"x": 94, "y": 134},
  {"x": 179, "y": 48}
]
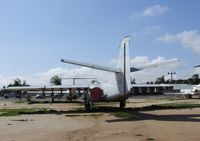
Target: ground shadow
[
  {"x": 140, "y": 116},
  {"x": 136, "y": 114},
  {"x": 131, "y": 114}
]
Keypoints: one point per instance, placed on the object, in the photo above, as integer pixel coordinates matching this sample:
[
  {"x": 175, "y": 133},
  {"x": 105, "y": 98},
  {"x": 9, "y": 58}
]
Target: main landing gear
[
  {"x": 122, "y": 104},
  {"x": 87, "y": 103}
]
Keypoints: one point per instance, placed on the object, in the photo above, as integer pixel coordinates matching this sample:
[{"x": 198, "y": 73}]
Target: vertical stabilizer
[{"x": 123, "y": 64}]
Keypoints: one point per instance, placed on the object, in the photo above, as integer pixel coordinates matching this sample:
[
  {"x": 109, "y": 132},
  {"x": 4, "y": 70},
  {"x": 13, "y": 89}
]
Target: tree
[
  {"x": 56, "y": 80},
  {"x": 160, "y": 80},
  {"x": 133, "y": 81},
  {"x": 17, "y": 82},
  {"x": 195, "y": 78},
  {"x": 149, "y": 82}
]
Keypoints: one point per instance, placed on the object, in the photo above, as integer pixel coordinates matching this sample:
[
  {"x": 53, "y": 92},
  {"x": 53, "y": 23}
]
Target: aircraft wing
[
  {"x": 134, "y": 69},
  {"x": 91, "y": 66},
  {"x": 48, "y": 88}
]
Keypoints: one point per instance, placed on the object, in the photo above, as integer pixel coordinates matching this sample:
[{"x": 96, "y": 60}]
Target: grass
[
  {"x": 139, "y": 135},
  {"x": 49, "y": 101},
  {"x": 129, "y": 112},
  {"x": 20, "y": 101},
  {"x": 115, "y": 111},
  {"x": 122, "y": 114},
  {"x": 23, "y": 120},
  {"x": 45, "y": 102},
  {"x": 150, "y": 139},
  {"x": 108, "y": 103},
  {"x": 16, "y": 112},
  {"x": 94, "y": 109},
  {"x": 95, "y": 116}
]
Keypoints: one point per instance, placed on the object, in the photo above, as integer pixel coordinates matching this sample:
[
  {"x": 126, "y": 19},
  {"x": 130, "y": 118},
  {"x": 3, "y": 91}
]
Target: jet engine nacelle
[{"x": 96, "y": 94}]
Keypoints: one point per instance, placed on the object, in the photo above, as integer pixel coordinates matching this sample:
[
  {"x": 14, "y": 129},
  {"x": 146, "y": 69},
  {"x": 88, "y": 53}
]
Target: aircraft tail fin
[
  {"x": 124, "y": 65},
  {"x": 122, "y": 71}
]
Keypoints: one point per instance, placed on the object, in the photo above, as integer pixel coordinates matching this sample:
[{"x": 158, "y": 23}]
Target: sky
[{"x": 36, "y": 34}]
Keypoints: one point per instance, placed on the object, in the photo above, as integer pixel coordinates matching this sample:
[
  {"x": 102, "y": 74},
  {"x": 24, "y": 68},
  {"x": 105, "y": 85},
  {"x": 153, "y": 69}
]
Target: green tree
[
  {"x": 133, "y": 81},
  {"x": 149, "y": 82},
  {"x": 56, "y": 80},
  {"x": 195, "y": 78},
  {"x": 160, "y": 80},
  {"x": 17, "y": 82}
]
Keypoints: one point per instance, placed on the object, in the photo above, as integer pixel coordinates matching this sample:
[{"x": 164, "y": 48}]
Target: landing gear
[
  {"x": 122, "y": 104},
  {"x": 87, "y": 103}
]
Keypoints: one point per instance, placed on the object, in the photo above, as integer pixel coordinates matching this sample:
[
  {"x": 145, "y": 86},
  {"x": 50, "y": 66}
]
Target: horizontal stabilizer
[
  {"x": 91, "y": 66},
  {"x": 133, "y": 69},
  {"x": 197, "y": 66}
]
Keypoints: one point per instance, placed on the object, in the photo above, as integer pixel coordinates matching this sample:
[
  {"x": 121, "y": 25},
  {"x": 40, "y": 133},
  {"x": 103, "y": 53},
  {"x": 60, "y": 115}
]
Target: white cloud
[
  {"x": 142, "y": 61},
  {"x": 168, "y": 38},
  {"x": 136, "y": 15},
  {"x": 138, "y": 60},
  {"x": 155, "y": 10},
  {"x": 150, "y": 30},
  {"x": 43, "y": 78},
  {"x": 188, "y": 39},
  {"x": 107, "y": 79},
  {"x": 196, "y": 71},
  {"x": 150, "y": 74},
  {"x": 147, "y": 31},
  {"x": 113, "y": 61},
  {"x": 149, "y": 12}
]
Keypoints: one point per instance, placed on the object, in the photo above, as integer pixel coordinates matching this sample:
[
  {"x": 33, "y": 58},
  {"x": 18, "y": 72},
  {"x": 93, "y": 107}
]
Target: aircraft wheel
[
  {"x": 87, "y": 105},
  {"x": 122, "y": 104}
]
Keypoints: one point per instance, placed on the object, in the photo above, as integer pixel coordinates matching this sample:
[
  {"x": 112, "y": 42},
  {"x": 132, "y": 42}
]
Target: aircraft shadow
[
  {"x": 139, "y": 116},
  {"x": 136, "y": 114}
]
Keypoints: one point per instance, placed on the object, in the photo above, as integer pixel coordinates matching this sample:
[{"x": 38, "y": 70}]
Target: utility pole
[{"x": 171, "y": 74}]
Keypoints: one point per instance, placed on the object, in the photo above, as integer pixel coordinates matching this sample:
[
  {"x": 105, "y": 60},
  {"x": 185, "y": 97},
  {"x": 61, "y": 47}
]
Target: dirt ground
[{"x": 159, "y": 125}]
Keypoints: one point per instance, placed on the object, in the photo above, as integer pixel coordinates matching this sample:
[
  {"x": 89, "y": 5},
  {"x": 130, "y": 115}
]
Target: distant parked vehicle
[
  {"x": 39, "y": 96},
  {"x": 58, "y": 95},
  {"x": 10, "y": 95},
  {"x": 196, "y": 89}
]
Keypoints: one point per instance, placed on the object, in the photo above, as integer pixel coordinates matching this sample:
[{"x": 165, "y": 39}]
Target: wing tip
[{"x": 197, "y": 66}]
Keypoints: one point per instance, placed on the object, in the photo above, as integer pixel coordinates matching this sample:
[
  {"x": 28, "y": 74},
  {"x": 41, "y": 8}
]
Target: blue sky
[{"x": 36, "y": 34}]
